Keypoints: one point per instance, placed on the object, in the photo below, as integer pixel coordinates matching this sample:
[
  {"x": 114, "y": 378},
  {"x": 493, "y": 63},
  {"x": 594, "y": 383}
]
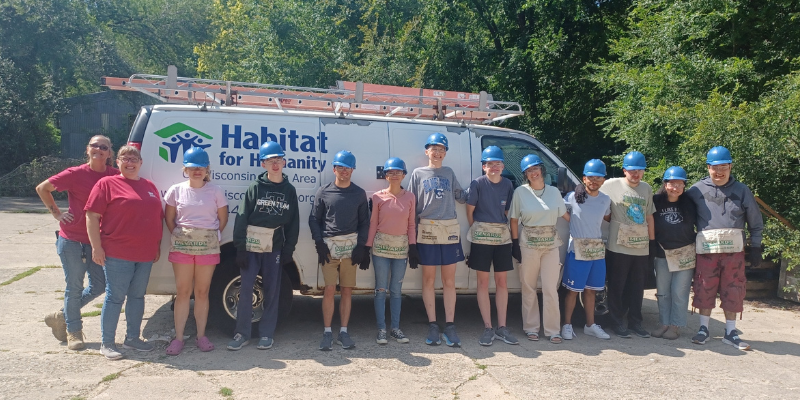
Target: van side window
[{"x": 513, "y": 151}]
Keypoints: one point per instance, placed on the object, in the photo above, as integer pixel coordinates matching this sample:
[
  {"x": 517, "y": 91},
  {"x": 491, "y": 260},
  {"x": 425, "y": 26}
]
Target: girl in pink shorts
[{"x": 196, "y": 213}]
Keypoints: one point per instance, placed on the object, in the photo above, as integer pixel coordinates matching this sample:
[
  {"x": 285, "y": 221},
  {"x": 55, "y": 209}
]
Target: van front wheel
[{"x": 224, "y": 299}]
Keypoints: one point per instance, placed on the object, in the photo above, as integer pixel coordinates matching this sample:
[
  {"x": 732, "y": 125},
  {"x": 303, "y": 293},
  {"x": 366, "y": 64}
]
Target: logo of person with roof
[{"x": 178, "y": 138}]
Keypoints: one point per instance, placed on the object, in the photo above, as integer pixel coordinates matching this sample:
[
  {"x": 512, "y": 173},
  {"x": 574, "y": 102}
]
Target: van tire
[{"x": 223, "y": 298}]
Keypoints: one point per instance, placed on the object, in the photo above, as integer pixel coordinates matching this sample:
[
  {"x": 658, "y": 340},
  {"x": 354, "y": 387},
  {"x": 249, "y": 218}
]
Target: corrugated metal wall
[{"x": 105, "y": 113}]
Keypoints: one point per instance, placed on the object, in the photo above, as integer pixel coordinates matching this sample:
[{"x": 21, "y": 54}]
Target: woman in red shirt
[
  {"x": 73, "y": 245},
  {"x": 124, "y": 220}
]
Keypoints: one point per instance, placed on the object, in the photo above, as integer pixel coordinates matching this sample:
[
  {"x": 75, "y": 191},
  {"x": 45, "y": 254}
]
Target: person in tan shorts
[{"x": 339, "y": 223}]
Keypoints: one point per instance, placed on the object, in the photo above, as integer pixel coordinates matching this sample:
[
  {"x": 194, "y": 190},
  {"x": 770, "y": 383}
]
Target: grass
[
  {"x": 78, "y": 398},
  {"x": 111, "y": 377},
  {"x": 227, "y": 392},
  {"x": 26, "y": 274},
  {"x": 473, "y": 377},
  {"x": 481, "y": 366},
  {"x": 30, "y": 292},
  {"x": 100, "y": 305},
  {"x": 28, "y": 212},
  {"x": 60, "y": 298},
  {"x": 91, "y": 313}
]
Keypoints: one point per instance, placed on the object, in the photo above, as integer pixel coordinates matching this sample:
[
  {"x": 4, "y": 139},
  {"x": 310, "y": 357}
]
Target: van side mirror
[{"x": 563, "y": 183}]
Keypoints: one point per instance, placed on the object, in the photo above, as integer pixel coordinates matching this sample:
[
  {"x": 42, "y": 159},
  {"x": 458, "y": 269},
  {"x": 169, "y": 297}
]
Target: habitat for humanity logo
[{"x": 179, "y": 138}]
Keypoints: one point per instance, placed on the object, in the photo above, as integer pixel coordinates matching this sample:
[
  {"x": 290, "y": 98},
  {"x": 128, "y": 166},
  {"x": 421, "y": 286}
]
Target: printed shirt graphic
[
  {"x": 629, "y": 205},
  {"x": 674, "y": 222},
  {"x": 272, "y": 203},
  {"x": 437, "y": 191}
]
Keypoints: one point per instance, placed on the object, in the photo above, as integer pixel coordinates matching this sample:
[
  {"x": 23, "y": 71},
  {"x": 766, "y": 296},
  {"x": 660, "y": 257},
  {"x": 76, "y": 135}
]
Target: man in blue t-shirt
[
  {"x": 487, "y": 209},
  {"x": 585, "y": 267}
]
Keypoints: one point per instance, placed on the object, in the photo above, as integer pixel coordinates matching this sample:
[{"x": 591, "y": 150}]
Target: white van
[{"x": 232, "y": 135}]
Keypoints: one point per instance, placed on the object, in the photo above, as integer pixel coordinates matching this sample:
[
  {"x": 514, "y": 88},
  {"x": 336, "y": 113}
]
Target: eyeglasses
[
  {"x": 98, "y": 146},
  {"x": 129, "y": 159},
  {"x": 437, "y": 150},
  {"x": 595, "y": 178},
  {"x": 341, "y": 168},
  {"x": 675, "y": 183},
  {"x": 720, "y": 167},
  {"x": 394, "y": 172},
  {"x": 273, "y": 161}
]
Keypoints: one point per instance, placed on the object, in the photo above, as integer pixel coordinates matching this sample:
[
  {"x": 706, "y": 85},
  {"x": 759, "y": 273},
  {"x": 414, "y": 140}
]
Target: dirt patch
[{"x": 774, "y": 303}]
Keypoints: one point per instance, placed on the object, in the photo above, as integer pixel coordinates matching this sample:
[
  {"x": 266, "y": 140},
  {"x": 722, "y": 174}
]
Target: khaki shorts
[{"x": 342, "y": 271}]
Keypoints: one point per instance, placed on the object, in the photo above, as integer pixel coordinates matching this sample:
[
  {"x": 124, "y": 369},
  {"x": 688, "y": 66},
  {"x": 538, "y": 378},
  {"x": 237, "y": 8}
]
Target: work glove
[
  {"x": 364, "y": 264},
  {"x": 413, "y": 256},
  {"x": 516, "y": 252},
  {"x": 359, "y": 254},
  {"x": 323, "y": 253},
  {"x": 755, "y": 257},
  {"x": 286, "y": 256},
  {"x": 241, "y": 259}
]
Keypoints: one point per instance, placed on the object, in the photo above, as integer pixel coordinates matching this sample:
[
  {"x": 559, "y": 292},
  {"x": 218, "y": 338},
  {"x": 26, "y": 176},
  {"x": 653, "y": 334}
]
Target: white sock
[
  {"x": 704, "y": 320},
  {"x": 730, "y": 325},
  {"x": 343, "y": 329},
  {"x": 328, "y": 329}
]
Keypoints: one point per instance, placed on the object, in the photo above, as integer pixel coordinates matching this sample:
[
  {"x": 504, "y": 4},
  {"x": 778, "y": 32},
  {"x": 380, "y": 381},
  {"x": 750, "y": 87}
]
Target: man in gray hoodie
[{"x": 724, "y": 207}]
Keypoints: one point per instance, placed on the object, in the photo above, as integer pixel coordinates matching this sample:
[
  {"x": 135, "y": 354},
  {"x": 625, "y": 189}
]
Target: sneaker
[
  {"x": 503, "y": 334},
  {"x": 57, "y": 324},
  {"x": 487, "y": 338},
  {"x": 381, "y": 338},
  {"x": 327, "y": 341},
  {"x": 701, "y": 336},
  {"x": 596, "y": 331},
  {"x": 110, "y": 351},
  {"x": 660, "y": 331},
  {"x": 238, "y": 342},
  {"x": 433, "y": 338},
  {"x": 345, "y": 341},
  {"x": 204, "y": 344},
  {"x": 639, "y": 331},
  {"x": 75, "y": 340},
  {"x": 137, "y": 344},
  {"x": 621, "y": 332},
  {"x": 175, "y": 347},
  {"x": 733, "y": 340},
  {"x": 450, "y": 337},
  {"x": 567, "y": 332},
  {"x": 265, "y": 343},
  {"x": 399, "y": 336}
]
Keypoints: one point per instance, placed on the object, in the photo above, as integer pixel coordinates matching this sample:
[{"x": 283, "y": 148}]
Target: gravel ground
[{"x": 34, "y": 365}]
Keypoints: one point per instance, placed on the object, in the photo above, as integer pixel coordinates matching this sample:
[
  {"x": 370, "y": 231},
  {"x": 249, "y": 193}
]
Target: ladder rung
[{"x": 347, "y": 97}]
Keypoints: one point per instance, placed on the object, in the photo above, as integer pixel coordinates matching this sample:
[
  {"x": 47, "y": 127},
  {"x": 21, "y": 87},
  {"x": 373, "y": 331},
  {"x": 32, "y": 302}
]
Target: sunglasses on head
[{"x": 98, "y": 146}]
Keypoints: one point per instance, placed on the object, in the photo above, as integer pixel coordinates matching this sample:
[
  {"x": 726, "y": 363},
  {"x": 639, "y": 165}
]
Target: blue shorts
[
  {"x": 440, "y": 254},
  {"x": 579, "y": 275}
]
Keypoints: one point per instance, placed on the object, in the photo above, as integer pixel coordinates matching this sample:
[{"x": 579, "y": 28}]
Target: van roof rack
[{"x": 347, "y": 98}]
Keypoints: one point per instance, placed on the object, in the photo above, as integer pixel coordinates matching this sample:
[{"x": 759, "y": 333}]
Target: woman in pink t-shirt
[
  {"x": 124, "y": 221},
  {"x": 73, "y": 245},
  {"x": 392, "y": 237},
  {"x": 196, "y": 213}
]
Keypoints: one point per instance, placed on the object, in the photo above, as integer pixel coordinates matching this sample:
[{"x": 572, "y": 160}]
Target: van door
[
  {"x": 408, "y": 142},
  {"x": 515, "y": 148},
  {"x": 369, "y": 142}
]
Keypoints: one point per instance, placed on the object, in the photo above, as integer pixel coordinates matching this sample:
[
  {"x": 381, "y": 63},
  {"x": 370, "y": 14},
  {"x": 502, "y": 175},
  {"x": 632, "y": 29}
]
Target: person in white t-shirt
[{"x": 196, "y": 213}]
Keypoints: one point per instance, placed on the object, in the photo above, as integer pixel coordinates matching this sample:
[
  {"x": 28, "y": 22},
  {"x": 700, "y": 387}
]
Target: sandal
[
  {"x": 204, "y": 344},
  {"x": 533, "y": 336},
  {"x": 555, "y": 339},
  {"x": 175, "y": 347}
]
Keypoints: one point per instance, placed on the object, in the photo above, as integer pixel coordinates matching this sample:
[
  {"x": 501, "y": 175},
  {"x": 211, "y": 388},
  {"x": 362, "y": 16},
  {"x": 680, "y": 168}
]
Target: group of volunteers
[{"x": 113, "y": 231}]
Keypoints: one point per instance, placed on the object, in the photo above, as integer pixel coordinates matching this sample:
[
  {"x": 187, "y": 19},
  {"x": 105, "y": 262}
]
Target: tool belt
[
  {"x": 716, "y": 241},
  {"x": 194, "y": 241},
  {"x": 541, "y": 237},
  {"x": 633, "y": 236},
  {"x": 390, "y": 246},
  {"x": 442, "y": 231},
  {"x": 259, "y": 239},
  {"x": 681, "y": 258},
  {"x": 489, "y": 233},
  {"x": 589, "y": 249},
  {"x": 341, "y": 246}
]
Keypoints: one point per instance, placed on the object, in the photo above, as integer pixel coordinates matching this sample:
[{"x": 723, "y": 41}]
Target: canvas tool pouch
[
  {"x": 194, "y": 241},
  {"x": 541, "y": 237},
  {"x": 342, "y": 246},
  {"x": 390, "y": 246},
  {"x": 259, "y": 239},
  {"x": 680, "y": 259},
  {"x": 716, "y": 241},
  {"x": 441, "y": 231},
  {"x": 589, "y": 249},
  {"x": 633, "y": 236},
  {"x": 489, "y": 233}
]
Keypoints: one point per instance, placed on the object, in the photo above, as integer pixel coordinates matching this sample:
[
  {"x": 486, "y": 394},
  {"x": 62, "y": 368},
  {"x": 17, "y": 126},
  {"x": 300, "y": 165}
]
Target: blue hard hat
[
  {"x": 718, "y": 155},
  {"x": 594, "y": 167},
  {"x": 674, "y": 172},
  {"x": 195, "y": 157},
  {"x": 345, "y": 158},
  {"x": 395, "y": 163},
  {"x": 269, "y": 150},
  {"x": 530, "y": 160},
  {"x": 634, "y": 160},
  {"x": 492, "y": 153},
  {"x": 437, "y": 138}
]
